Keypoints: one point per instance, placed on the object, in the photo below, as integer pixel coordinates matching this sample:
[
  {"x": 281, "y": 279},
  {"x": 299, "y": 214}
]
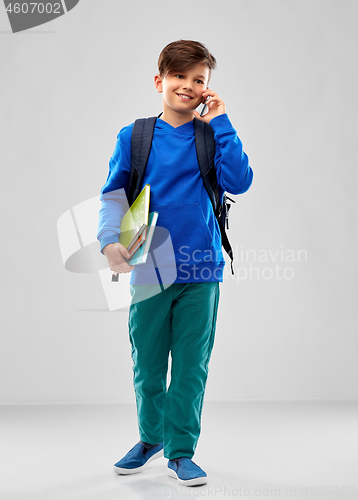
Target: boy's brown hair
[{"x": 182, "y": 55}]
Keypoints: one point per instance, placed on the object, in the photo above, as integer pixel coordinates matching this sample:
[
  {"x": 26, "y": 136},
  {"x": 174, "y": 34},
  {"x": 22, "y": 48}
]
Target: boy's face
[{"x": 182, "y": 91}]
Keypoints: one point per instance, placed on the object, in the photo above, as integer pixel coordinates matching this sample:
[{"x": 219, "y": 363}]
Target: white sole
[
  {"x": 189, "y": 482},
  {"x": 121, "y": 470}
]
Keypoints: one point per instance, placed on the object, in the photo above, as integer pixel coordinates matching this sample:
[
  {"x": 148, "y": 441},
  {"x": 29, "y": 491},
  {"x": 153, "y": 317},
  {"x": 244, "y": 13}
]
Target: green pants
[{"x": 181, "y": 319}]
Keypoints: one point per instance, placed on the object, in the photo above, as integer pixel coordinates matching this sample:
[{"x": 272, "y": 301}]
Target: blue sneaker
[
  {"x": 138, "y": 458},
  {"x": 186, "y": 472}
]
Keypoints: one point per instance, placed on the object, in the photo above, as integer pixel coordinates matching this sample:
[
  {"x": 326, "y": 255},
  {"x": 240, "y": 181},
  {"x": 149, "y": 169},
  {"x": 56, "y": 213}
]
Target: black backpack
[{"x": 142, "y": 135}]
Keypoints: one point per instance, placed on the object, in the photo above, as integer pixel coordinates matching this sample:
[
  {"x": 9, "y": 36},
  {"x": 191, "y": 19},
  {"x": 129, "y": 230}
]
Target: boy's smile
[
  {"x": 182, "y": 93},
  {"x": 185, "y": 97}
]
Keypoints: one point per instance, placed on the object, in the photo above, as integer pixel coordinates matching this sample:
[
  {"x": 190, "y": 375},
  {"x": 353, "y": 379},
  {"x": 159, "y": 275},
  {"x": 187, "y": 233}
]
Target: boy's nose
[{"x": 187, "y": 85}]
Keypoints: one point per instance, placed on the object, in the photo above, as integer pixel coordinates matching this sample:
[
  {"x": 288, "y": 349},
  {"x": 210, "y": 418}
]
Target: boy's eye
[{"x": 197, "y": 80}]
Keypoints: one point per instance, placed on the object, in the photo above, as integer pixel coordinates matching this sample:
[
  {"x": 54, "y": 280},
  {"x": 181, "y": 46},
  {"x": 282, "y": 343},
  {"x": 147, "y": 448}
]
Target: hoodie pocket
[{"x": 187, "y": 228}]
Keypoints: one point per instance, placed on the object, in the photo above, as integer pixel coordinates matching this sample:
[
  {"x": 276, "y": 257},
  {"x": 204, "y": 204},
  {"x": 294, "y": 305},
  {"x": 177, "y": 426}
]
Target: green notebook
[
  {"x": 135, "y": 220},
  {"x": 140, "y": 256}
]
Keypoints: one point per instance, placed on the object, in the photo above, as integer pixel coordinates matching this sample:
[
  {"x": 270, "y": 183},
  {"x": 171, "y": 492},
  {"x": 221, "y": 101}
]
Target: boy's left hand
[{"x": 215, "y": 106}]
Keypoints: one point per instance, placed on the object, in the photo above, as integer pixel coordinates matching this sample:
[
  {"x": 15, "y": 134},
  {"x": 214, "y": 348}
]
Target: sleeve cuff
[
  {"x": 221, "y": 123},
  {"x": 113, "y": 238}
]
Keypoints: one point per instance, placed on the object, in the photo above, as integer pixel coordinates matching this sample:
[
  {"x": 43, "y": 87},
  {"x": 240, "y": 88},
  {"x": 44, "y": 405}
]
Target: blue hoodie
[{"x": 193, "y": 252}]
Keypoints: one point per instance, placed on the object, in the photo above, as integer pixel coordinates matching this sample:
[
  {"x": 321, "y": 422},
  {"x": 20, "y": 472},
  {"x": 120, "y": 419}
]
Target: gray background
[{"x": 287, "y": 72}]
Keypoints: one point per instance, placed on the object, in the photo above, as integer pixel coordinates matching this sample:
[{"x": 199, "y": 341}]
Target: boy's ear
[{"x": 158, "y": 83}]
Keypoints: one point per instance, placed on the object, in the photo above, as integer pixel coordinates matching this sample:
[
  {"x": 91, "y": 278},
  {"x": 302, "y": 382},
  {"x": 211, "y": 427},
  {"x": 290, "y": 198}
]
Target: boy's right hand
[{"x": 116, "y": 255}]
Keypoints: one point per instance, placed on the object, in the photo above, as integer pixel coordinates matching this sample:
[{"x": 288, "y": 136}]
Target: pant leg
[
  {"x": 150, "y": 337},
  {"x": 194, "y": 313}
]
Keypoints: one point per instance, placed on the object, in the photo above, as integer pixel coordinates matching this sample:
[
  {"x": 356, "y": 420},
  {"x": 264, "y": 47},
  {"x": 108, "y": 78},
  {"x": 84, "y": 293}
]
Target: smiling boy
[{"x": 181, "y": 320}]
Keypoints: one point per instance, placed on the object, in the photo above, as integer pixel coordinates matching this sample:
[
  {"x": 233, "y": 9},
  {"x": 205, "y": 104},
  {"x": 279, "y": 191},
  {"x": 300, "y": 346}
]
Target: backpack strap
[
  {"x": 224, "y": 238},
  {"x": 205, "y": 150},
  {"x": 141, "y": 143}
]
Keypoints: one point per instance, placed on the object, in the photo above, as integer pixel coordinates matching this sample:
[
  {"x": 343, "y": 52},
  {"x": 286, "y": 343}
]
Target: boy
[{"x": 181, "y": 319}]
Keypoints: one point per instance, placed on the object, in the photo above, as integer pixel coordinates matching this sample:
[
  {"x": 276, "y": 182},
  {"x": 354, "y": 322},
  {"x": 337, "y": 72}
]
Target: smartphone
[{"x": 204, "y": 107}]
